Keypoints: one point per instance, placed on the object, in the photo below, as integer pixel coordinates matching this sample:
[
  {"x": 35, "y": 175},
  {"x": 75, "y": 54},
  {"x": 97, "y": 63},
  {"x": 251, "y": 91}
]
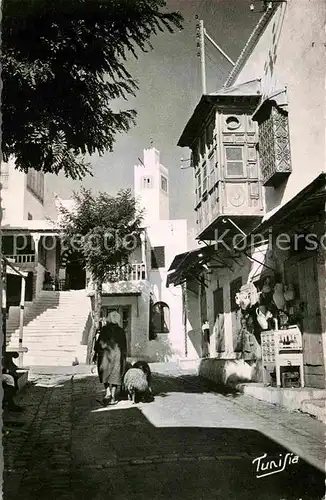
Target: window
[
  {"x": 204, "y": 170},
  {"x": 212, "y": 169},
  {"x": 161, "y": 318},
  {"x": 147, "y": 183},
  {"x": 199, "y": 191},
  {"x": 234, "y": 161},
  {"x": 158, "y": 257},
  {"x": 232, "y": 123},
  {"x": 35, "y": 183},
  {"x": 164, "y": 184}
]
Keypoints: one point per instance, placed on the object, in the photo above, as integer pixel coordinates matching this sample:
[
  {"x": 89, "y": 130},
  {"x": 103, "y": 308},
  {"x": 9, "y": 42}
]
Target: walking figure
[{"x": 110, "y": 354}]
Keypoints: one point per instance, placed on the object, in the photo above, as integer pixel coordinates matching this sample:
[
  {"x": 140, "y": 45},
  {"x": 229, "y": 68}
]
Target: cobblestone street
[{"x": 190, "y": 443}]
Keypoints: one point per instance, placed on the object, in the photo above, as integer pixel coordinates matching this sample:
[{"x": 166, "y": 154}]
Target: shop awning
[
  {"x": 307, "y": 204},
  {"x": 190, "y": 265},
  {"x": 12, "y": 269}
]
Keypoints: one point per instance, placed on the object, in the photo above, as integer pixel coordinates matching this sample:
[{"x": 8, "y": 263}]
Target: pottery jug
[
  {"x": 261, "y": 318},
  {"x": 289, "y": 293},
  {"x": 278, "y": 296}
]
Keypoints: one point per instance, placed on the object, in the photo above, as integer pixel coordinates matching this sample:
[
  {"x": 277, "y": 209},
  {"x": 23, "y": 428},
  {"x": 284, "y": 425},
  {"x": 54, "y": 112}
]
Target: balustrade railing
[
  {"x": 22, "y": 258},
  {"x": 128, "y": 272}
]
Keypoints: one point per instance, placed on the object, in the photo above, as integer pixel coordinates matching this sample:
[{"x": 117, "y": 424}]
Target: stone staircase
[{"x": 56, "y": 328}]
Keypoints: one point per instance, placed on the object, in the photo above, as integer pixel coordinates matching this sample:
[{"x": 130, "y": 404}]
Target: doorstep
[{"x": 308, "y": 399}]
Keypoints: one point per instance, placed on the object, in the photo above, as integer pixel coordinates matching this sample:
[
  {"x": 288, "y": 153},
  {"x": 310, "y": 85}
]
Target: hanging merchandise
[
  {"x": 267, "y": 286},
  {"x": 242, "y": 299},
  {"x": 288, "y": 293},
  {"x": 261, "y": 319},
  {"x": 248, "y": 295},
  {"x": 278, "y": 296},
  {"x": 283, "y": 320}
]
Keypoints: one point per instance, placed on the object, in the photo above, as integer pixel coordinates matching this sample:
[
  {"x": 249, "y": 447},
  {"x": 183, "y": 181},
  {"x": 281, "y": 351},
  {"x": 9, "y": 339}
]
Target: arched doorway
[
  {"x": 160, "y": 317},
  {"x": 74, "y": 263}
]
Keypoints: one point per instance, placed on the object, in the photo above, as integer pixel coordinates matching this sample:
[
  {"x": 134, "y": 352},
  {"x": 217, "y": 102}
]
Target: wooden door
[
  {"x": 219, "y": 319},
  {"x": 309, "y": 295},
  {"x": 203, "y": 317}
]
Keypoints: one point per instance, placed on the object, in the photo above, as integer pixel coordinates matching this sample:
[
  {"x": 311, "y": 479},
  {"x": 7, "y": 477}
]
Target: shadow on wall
[
  {"x": 193, "y": 320},
  {"x": 195, "y": 339},
  {"x": 160, "y": 350}
]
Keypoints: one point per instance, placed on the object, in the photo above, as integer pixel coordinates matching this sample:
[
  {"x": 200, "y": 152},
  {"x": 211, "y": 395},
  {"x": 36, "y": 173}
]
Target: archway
[
  {"x": 161, "y": 318},
  {"x": 74, "y": 264}
]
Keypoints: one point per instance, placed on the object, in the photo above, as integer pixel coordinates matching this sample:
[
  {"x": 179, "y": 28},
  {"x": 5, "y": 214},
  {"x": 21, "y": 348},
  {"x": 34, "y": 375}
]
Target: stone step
[{"x": 53, "y": 328}]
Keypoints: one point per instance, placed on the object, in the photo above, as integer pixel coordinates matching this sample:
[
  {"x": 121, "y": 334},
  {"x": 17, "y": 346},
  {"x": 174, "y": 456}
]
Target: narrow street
[{"x": 190, "y": 443}]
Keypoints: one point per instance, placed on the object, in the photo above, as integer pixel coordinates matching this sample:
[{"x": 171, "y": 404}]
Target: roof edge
[{"x": 250, "y": 45}]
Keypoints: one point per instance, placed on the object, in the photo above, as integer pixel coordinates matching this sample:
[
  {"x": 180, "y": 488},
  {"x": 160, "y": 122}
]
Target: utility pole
[
  {"x": 202, "y": 55},
  {"x": 201, "y": 52},
  {"x": 201, "y": 34},
  {"x": 2, "y": 276}
]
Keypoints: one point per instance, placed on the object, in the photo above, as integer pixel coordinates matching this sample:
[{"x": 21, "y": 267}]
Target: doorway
[
  {"x": 125, "y": 322},
  {"x": 301, "y": 271},
  {"x": 218, "y": 302},
  {"x": 203, "y": 316},
  {"x": 75, "y": 273}
]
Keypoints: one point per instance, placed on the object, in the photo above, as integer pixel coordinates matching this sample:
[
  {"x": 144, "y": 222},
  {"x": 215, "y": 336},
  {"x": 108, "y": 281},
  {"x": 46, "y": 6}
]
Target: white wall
[
  {"x": 193, "y": 326},
  {"x": 222, "y": 279},
  {"x": 291, "y": 53},
  {"x": 18, "y": 201},
  {"x": 13, "y": 195},
  {"x": 172, "y": 234},
  {"x": 153, "y": 199}
]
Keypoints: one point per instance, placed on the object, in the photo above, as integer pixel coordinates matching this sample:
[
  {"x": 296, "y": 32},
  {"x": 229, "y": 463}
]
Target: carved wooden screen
[{"x": 274, "y": 145}]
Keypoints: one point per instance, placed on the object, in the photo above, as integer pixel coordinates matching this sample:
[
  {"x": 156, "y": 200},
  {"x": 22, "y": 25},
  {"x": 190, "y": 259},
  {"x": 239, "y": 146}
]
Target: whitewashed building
[
  {"x": 258, "y": 152},
  {"x": 151, "y": 313}
]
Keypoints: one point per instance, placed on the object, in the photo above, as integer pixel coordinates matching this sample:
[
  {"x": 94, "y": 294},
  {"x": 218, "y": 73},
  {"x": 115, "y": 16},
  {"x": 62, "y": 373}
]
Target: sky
[{"x": 169, "y": 89}]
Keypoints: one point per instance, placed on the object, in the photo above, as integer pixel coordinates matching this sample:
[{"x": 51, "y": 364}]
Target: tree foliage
[
  {"x": 63, "y": 63},
  {"x": 103, "y": 229}
]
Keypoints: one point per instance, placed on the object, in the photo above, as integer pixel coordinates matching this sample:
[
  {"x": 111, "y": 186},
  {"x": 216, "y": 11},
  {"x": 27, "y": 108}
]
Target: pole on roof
[{"x": 202, "y": 56}]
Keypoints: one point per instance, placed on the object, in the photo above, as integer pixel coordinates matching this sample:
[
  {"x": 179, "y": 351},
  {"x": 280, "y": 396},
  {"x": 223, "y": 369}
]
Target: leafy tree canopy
[
  {"x": 104, "y": 229},
  {"x": 63, "y": 63}
]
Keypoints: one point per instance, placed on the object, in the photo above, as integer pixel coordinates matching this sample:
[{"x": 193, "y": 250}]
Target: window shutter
[{"x": 158, "y": 257}]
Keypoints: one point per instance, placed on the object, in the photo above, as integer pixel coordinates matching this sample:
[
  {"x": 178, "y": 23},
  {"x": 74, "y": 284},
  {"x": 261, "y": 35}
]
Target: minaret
[{"x": 151, "y": 186}]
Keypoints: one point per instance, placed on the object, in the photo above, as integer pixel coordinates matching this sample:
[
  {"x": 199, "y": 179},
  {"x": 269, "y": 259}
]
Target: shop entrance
[
  {"x": 204, "y": 318},
  {"x": 219, "y": 319},
  {"x": 302, "y": 272}
]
